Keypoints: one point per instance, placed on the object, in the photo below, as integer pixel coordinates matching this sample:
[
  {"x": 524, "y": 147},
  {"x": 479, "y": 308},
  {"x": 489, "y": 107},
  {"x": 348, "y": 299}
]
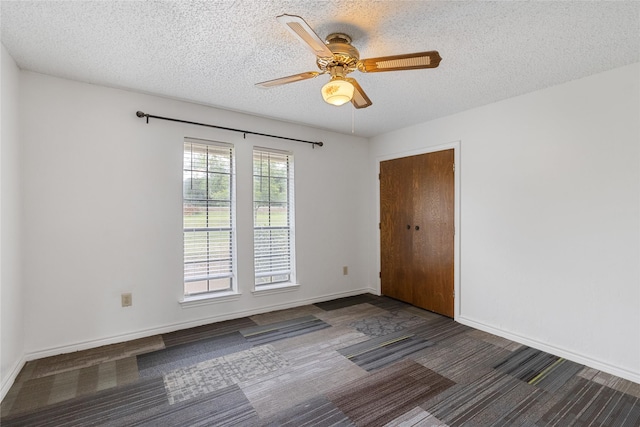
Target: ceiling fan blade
[
  {"x": 360, "y": 99},
  {"x": 303, "y": 32},
  {"x": 410, "y": 61},
  {"x": 289, "y": 79}
]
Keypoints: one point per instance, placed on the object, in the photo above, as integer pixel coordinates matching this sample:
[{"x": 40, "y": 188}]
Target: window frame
[
  {"x": 231, "y": 258},
  {"x": 290, "y": 215}
]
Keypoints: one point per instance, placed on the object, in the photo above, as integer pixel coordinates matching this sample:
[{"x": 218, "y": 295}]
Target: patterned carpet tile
[
  {"x": 284, "y": 315},
  {"x": 81, "y": 359},
  {"x": 590, "y": 403},
  {"x": 334, "y": 338},
  {"x": 161, "y": 362},
  {"x": 224, "y": 407},
  {"x": 538, "y": 368},
  {"x": 205, "y": 377},
  {"x": 358, "y": 361},
  {"x": 514, "y": 406},
  {"x": 520, "y": 408},
  {"x": 265, "y": 334},
  {"x": 484, "y": 402},
  {"x": 416, "y": 311},
  {"x": 387, "y": 303},
  {"x": 611, "y": 381},
  {"x": 51, "y": 389},
  {"x": 381, "y": 302},
  {"x": 462, "y": 358},
  {"x": 439, "y": 329},
  {"x": 392, "y": 321},
  {"x": 206, "y": 331},
  {"x": 384, "y": 395},
  {"x": 310, "y": 372},
  {"x": 318, "y": 411},
  {"x": 347, "y": 315},
  {"x": 494, "y": 340},
  {"x": 417, "y": 417},
  {"x": 381, "y": 351},
  {"x": 100, "y": 408},
  {"x": 347, "y": 302},
  {"x": 533, "y": 404}
]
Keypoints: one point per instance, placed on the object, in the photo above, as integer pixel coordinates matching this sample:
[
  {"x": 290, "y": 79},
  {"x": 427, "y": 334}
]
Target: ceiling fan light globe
[{"x": 337, "y": 92}]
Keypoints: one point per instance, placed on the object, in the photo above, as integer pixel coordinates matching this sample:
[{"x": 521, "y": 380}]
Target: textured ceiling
[{"x": 213, "y": 52}]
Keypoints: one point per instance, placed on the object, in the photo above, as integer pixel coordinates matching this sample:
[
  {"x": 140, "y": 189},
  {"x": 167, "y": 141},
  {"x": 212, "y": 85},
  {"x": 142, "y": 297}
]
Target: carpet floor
[{"x": 357, "y": 361}]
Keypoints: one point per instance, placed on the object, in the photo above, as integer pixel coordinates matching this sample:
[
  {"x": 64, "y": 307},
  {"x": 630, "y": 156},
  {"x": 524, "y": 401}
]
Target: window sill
[
  {"x": 275, "y": 289},
  {"x": 199, "y": 300}
]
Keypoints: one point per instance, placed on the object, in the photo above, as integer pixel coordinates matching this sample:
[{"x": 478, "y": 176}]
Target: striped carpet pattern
[
  {"x": 383, "y": 350},
  {"x": 184, "y": 355},
  {"x": 258, "y": 335},
  {"x": 535, "y": 367},
  {"x": 356, "y": 361},
  {"x": 388, "y": 393}
]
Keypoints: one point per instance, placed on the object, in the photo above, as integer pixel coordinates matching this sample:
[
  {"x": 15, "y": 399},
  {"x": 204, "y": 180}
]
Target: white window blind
[
  {"x": 273, "y": 216},
  {"x": 208, "y": 216}
]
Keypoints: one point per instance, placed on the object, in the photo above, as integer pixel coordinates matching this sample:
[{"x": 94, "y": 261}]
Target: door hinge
[
  {"x": 379, "y": 226},
  {"x": 380, "y": 274},
  {"x": 378, "y": 177},
  {"x": 454, "y": 167}
]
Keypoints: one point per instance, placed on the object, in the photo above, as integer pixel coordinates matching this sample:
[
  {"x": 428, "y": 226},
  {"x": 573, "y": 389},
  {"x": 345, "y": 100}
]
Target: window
[
  {"x": 208, "y": 217},
  {"x": 273, "y": 216}
]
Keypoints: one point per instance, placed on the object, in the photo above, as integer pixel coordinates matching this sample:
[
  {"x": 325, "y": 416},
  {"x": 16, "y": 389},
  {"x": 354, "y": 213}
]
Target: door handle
[{"x": 417, "y": 227}]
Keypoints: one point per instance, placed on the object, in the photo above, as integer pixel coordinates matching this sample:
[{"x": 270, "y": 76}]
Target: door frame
[{"x": 455, "y": 145}]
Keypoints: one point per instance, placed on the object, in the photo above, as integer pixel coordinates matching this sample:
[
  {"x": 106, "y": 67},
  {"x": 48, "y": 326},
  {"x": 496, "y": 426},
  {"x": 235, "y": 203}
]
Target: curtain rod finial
[{"x": 140, "y": 114}]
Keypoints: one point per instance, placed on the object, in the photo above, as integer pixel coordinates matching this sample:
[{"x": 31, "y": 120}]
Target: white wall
[
  {"x": 550, "y": 225},
  {"x": 11, "y": 289},
  {"x": 550, "y": 216},
  {"x": 102, "y": 202}
]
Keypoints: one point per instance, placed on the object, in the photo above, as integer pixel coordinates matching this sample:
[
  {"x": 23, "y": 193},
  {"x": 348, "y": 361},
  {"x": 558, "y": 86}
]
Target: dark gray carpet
[
  {"x": 225, "y": 407},
  {"x": 315, "y": 412},
  {"x": 265, "y": 334},
  {"x": 384, "y": 350},
  {"x": 206, "y": 331},
  {"x": 102, "y": 408},
  {"x": 179, "y": 356},
  {"x": 357, "y": 361},
  {"x": 388, "y": 393}
]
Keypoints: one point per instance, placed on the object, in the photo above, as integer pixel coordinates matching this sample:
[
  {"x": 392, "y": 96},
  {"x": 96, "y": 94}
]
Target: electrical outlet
[
  {"x": 345, "y": 270},
  {"x": 126, "y": 300}
]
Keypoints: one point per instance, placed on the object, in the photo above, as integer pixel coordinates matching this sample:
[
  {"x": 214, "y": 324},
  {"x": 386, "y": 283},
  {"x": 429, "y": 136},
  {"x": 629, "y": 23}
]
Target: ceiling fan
[{"x": 338, "y": 58}]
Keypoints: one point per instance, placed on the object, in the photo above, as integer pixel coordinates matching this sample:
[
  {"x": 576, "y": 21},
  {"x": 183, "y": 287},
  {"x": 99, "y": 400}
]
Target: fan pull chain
[{"x": 353, "y": 120}]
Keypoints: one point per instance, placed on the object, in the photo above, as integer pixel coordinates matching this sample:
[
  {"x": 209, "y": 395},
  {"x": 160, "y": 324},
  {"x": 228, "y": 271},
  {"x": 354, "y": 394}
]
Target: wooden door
[
  {"x": 417, "y": 230},
  {"x": 396, "y": 236}
]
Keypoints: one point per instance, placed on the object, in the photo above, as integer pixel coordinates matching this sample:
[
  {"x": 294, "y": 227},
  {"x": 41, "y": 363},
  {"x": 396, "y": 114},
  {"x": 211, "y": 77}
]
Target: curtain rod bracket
[
  {"x": 245, "y": 132},
  {"x": 141, "y": 114}
]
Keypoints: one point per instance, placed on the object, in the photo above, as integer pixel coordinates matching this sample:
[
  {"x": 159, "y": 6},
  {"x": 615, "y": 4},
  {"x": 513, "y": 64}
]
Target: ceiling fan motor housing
[{"x": 345, "y": 55}]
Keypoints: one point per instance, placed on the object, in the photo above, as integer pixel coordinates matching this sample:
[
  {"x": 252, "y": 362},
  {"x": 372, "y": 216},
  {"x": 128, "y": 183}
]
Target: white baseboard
[
  {"x": 374, "y": 291},
  {"x": 557, "y": 351},
  {"x": 85, "y": 345},
  {"x": 8, "y": 380}
]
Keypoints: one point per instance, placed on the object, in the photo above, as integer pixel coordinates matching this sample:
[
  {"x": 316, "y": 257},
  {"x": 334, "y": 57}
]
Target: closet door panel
[
  {"x": 433, "y": 250},
  {"x": 396, "y": 229}
]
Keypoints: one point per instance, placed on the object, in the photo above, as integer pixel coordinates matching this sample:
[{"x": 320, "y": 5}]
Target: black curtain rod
[{"x": 314, "y": 143}]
